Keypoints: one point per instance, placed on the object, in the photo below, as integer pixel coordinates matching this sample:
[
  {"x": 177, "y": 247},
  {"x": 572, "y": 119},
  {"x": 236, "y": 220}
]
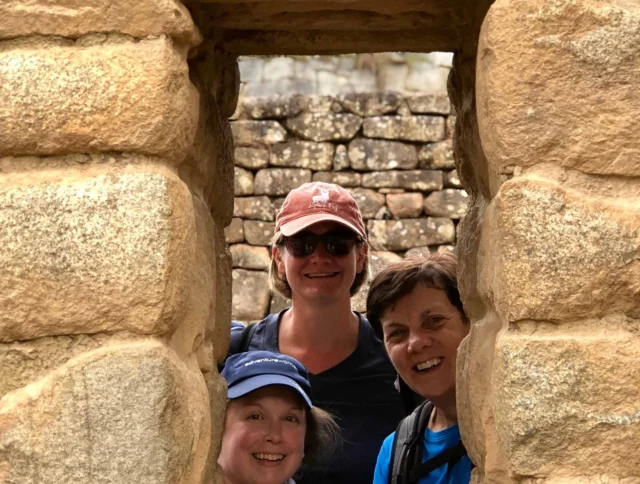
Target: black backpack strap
[
  {"x": 244, "y": 341},
  {"x": 450, "y": 456},
  {"x": 407, "y": 441}
]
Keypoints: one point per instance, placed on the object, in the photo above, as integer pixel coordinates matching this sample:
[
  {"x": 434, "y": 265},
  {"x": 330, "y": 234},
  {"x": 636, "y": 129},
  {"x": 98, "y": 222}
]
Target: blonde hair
[{"x": 280, "y": 284}]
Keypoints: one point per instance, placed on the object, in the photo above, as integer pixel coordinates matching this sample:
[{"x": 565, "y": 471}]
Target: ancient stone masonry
[
  {"x": 114, "y": 296},
  {"x": 393, "y": 153}
]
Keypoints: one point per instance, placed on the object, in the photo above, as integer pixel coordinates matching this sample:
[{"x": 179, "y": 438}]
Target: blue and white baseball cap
[{"x": 246, "y": 372}]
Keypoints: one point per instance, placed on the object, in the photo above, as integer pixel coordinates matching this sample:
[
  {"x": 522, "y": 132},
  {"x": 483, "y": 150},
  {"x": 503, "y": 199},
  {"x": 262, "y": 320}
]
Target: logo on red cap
[{"x": 323, "y": 200}]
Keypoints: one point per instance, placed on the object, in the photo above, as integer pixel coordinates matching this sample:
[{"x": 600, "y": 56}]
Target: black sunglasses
[{"x": 337, "y": 243}]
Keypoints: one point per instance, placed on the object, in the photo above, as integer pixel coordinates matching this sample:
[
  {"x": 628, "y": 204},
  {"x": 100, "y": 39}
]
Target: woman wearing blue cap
[{"x": 271, "y": 425}]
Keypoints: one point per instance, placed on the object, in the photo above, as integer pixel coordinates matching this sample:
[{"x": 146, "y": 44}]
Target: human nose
[
  {"x": 274, "y": 433},
  {"x": 418, "y": 340}
]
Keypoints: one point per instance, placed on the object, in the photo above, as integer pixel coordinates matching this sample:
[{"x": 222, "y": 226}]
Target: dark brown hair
[
  {"x": 322, "y": 437},
  {"x": 398, "y": 279}
]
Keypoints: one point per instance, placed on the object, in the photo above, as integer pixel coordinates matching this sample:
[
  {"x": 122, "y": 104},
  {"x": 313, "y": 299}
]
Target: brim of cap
[
  {"x": 259, "y": 381},
  {"x": 299, "y": 224}
]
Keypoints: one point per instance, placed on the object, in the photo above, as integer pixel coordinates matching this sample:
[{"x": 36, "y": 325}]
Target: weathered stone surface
[
  {"x": 219, "y": 333},
  {"x": 278, "y": 302},
  {"x": 423, "y": 180},
  {"x": 423, "y": 251},
  {"x": 344, "y": 179},
  {"x": 359, "y": 300},
  {"x": 234, "y": 233},
  {"x": 303, "y": 154},
  {"x": 549, "y": 253},
  {"x": 272, "y": 107},
  {"x": 243, "y": 182},
  {"x": 452, "y": 180},
  {"x": 580, "y": 384},
  {"x": 100, "y": 250},
  {"x": 429, "y": 103},
  {"x": 325, "y": 127},
  {"x": 369, "y": 201},
  {"x": 408, "y": 233},
  {"x": 258, "y": 233},
  {"x": 528, "y": 114},
  {"x": 318, "y": 104},
  {"x": 386, "y": 256},
  {"x": 127, "y": 96},
  {"x": 251, "y": 158},
  {"x": 280, "y": 181},
  {"x": 451, "y": 125},
  {"x": 250, "y": 257},
  {"x": 72, "y": 19},
  {"x": 450, "y": 203},
  {"x": 341, "y": 159},
  {"x": 256, "y": 133},
  {"x": 250, "y": 295},
  {"x": 370, "y": 103},
  {"x": 405, "y": 205},
  {"x": 24, "y": 362},
  {"x": 370, "y": 154},
  {"x": 84, "y": 423},
  {"x": 256, "y": 208},
  {"x": 437, "y": 156},
  {"x": 409, "y": 128}
]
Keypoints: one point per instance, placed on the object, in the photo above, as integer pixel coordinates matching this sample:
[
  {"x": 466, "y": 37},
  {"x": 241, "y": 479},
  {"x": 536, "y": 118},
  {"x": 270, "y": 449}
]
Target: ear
[
  {"x": 363, "y": 254},
  {"x": 277, "y": 257}
]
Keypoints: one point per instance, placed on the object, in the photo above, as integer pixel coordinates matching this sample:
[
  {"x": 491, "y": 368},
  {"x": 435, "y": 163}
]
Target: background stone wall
[
  {"x": 405, "y": 72},
  {"x": 392, "y": 151}
]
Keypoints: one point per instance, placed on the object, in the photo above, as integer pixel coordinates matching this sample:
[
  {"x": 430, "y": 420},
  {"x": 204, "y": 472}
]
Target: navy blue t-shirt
[{"x": 359, "y": 393}]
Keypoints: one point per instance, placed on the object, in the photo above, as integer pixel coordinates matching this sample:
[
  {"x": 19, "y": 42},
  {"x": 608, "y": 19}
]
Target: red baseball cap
[{"x": 319, "y": 202}]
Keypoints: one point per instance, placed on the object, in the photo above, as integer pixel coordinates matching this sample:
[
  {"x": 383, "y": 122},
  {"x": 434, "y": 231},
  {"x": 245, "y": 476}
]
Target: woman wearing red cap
[{"x": 319, "y": 260}]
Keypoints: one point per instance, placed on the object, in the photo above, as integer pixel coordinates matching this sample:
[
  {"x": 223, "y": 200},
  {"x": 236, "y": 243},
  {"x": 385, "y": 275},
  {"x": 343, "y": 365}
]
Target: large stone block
[
  {"x": 343, "y": 178},
  {"x": 370, "y": 155},
  {"x": 567, "y": 402},
  {"x": 255, "y": 208},
  {"x": 256, "y": 133},
  {"x": 243, "y": 182},
  {"x": 408, "y": 128},
  {"x": 115, "y": 96},
  {"x": 550, "y": 253},
  {"x": 251, "y": 295},
  {"x": 422, "y": 180},
  {"x": 429, "y": 103},
  {"x": 75, "y": 18},
  {"x": 371, "y": 103},
  {"x": 408, "y": 233},
  {"x": 250, "y": 257},
  {"x": 94, "y": 250},
  {"x": 437, "y": 156},
  {"x": 303, "y": 154},
  {"x": 280, "y": 181},
  {"x": 405, "y": 205},
  {"x": 122, "y": 414},
  {"x": 258, "y": 233},
  {"x": 234, "y": 233},
  {"x": 325, "y": 127},
  {"x": 540, "y": 80},
  {"x": 447, "y": 203},
  {"x": 369, "y": 201},
  {"x": 251, "y": 158},
  {"x": 272, "y": 107}
]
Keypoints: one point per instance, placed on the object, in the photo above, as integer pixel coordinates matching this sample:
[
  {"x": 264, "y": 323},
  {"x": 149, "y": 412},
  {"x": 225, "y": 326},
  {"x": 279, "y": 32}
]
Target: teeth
[
  {"x": 321, "y": 274},
  {"x": 273, "y": 457},
  {"x": 428, "y": 364}
]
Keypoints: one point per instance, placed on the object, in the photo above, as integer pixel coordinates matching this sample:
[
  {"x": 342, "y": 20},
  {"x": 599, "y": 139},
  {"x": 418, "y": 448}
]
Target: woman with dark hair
[
  {"x": 319, "y": 260},
  {"x": 415, "y": 306}
]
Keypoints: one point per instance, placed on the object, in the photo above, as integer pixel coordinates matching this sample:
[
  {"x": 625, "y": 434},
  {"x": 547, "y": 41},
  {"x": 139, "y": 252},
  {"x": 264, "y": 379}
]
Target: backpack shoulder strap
[
  {"x": 450, "y": 456},
  {"x": 241, "y": 344},
  {"x": 406, "y": 446}
]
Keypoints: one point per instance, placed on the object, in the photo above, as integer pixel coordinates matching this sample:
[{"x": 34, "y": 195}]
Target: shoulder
[{"x": 383, "y": 463}]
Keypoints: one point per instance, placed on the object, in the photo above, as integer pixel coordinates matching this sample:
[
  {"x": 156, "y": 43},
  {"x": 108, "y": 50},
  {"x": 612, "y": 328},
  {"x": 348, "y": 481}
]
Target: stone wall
[
  {"x": 404, "y": 72},
  {"x": 393, "y": 153}
]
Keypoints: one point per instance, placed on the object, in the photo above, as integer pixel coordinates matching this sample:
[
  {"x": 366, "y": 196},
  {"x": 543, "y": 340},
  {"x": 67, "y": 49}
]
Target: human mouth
[
  {"x": 315, "y": 275},
  {"x": 269, "y": 457},
  {"x": 428, "y": 364}
]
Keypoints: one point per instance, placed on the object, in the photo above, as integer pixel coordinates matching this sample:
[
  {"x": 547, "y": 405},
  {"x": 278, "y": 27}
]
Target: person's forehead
[{"x": 421, "y": 300}]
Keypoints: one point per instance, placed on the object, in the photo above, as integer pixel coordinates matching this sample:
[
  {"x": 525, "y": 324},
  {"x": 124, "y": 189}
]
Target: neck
[
  {"x": 444, "y": 414},
  {"x": 319, "y": 335}
]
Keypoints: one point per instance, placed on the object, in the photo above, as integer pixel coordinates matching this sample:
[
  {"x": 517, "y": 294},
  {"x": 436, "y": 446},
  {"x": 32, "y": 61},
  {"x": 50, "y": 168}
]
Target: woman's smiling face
[
  {"x": 264, "y": 437},
  {"x": 422, "y": 332},
  {"x": 320, "y": 275}
]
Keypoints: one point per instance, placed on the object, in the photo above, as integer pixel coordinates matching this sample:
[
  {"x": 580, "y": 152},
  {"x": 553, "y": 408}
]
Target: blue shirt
[
  {"x": 434, "y": 444},
  {"x": 358, "y": 392}
]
